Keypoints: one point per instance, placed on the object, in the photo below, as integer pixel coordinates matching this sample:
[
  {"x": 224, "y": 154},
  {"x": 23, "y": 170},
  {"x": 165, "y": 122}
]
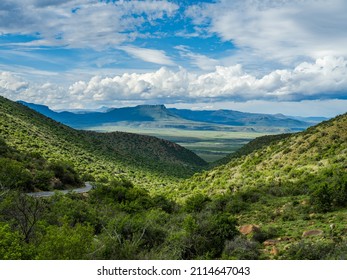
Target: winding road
[{"x": 87, "y": 188}]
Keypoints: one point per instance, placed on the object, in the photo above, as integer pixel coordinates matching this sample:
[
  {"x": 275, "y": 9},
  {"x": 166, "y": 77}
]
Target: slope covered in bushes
[{"x": 95, "y": 155}]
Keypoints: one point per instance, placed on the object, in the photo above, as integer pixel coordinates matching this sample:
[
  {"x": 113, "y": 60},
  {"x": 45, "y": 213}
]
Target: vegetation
[
  {"x": 210, "y": 143},
  {"x": 144, "y": 160},
  {"x": 280, "y": 197}
]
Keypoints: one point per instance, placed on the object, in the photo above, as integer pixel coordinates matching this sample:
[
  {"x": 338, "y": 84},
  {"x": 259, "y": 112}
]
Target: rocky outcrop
[
  {"x": 249, "y": 229},
  {"x": 313, "y": 232}
]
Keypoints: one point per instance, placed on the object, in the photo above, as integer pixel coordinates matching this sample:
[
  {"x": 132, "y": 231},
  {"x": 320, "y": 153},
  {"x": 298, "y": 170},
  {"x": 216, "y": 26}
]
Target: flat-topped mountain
[{"x": 160, "y": 116}]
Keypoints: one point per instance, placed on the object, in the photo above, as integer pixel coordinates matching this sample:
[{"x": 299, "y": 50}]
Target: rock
[
  {"x": 304, "y": 202},
  {"x": 274, "y": 251},
  {"x": 285, "y": 238},
  {"x": 313, "y": 232},
  {"x": 312, "y": 215},
  {"x": 248, "y": 229},
  {"x": 270, "y": 242}
]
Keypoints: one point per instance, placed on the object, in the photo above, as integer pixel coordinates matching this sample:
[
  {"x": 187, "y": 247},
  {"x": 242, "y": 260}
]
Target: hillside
[
  {"x": 94, "y": 154},
  {"x": 290, "y": 159},
  {"x": 255, "y": 144},
  {"x": 289, "y": 195}
]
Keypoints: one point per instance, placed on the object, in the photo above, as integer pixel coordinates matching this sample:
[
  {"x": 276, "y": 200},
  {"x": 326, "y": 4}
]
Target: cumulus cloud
[
  {"x": 278, "y": 30},
  {"x": 16, "y": 88},
  {"x": 326, "y": 78}
]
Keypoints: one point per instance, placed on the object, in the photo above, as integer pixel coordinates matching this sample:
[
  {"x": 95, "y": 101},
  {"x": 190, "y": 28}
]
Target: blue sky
[{"x": 250, "y": 55}]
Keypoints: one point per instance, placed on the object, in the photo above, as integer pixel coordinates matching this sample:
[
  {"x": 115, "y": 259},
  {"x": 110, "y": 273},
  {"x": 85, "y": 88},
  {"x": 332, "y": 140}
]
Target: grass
[{"x": 210, "y": 145}]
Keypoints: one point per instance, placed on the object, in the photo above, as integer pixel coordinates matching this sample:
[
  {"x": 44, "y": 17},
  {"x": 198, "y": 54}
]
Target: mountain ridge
[{"x": 159, "y": 113}]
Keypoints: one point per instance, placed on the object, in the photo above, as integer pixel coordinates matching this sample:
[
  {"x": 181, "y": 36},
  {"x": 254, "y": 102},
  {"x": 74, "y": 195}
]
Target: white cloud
[
  {"x": 149, "y": 55},
  {"x": 11, "y": 83},
  {"x": 201, "y": 61},
  {"x": 282, "y": 31},
  {"x": 16, "y": 88},
  {"x": 324, "y": 79},
  {"x": 80, "y": 23}
]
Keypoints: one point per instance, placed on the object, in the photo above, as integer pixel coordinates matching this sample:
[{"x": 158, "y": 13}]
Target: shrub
[
  {"x": 207, "y": 233},
  {"x": 329, "y": 190},
  {"x": 241, "y": 249},
  {"x": 66, "y": 243},
  {"x": 13, "y": 175},
  {"x": 196, "y": 203},
  {"x": 262, "y": 235},
  {"x": 305, "y": 250},
  {"x": 10, "y": 243},
  {"x": 65, "y": 173}
]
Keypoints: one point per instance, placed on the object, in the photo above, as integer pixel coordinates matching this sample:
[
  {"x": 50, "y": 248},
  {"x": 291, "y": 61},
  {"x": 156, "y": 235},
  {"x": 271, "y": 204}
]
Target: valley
[
  {"x": 278, "y": 196},
  {"x": 210, "y": 145},
  {"x": 212, "y": 135}
]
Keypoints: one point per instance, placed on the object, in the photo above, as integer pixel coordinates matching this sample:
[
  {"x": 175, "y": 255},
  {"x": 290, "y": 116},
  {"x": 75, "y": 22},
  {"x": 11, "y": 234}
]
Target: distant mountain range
[{"x": 160, "y": 116}]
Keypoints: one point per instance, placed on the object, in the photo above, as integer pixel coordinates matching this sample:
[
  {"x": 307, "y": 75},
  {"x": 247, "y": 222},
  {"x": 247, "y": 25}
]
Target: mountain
[
  {"x": 142, "y": 113},
  {"x": 313, "y": 120},
  {"x": 160, "y": 116},
  {"x": 236, "y": 118},
  {"x": 92, "y": 154}
]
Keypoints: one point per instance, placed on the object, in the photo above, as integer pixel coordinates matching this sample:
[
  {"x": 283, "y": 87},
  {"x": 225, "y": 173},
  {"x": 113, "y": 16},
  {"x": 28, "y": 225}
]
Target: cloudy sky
[{"x": 273, "y": 56}]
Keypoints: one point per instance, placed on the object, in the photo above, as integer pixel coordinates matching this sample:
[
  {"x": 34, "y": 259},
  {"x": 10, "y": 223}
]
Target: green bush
[
  {"x": 196, "y": 203},
  {"x": 65, "y": 243},
  {"x": 65, "y": 173},
  {"x": 206, "y": 234},
  {"x": 241, "y": 248},
  {"x": 329, "y": 190},
  {"x": 13, "y": 175},
  {"x": 10, "y": 243},
  {"x": 129, "y": 236},
  {"x": 306, "y": 250}
]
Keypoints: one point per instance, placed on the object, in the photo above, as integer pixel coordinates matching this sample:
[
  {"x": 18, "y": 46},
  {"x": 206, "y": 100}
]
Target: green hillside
[
  {"x": 95, "y": 156},
  {"x": 288, "y": 160},
  {"x": 291, "y": 195},
  {"x": 255, "y": 144}
]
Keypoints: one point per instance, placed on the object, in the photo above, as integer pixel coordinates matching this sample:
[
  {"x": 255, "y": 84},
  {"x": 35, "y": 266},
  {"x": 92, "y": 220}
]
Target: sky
[{"x": 266, "y": 56}]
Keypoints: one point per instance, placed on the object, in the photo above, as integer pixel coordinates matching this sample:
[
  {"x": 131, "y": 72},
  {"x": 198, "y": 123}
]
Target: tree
[{"x": 24, "y": 211}]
